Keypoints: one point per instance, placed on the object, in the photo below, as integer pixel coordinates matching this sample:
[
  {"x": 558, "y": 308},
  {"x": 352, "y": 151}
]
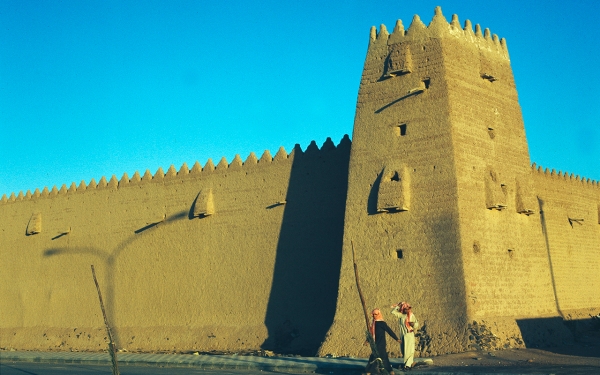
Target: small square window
[
  {"x": 399, "y": 254},
  {"x": 400, "y": 130}
]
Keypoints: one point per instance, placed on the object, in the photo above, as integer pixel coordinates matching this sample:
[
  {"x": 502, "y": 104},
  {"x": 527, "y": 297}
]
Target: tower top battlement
[{"x": 439, "y": 27}]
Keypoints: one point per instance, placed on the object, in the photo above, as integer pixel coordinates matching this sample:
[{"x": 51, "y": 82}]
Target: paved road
[
  {"x": 579, "y": 358},
  {"x": 24, "y": 368},
  {"x": 29, "y": 368},
  {"x": 275, "y": 365}
]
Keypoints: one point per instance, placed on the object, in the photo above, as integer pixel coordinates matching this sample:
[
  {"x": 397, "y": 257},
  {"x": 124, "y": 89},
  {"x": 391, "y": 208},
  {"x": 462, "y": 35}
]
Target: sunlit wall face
[{"x": 91, "y": 90}]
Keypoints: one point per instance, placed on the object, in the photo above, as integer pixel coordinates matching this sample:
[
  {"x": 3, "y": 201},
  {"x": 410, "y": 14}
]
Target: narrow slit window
[{"x": 399, "y": 254}]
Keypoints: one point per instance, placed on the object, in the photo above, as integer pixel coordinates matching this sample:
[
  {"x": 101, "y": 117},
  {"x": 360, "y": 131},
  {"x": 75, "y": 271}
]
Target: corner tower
[{"x": 439, "y": 189}]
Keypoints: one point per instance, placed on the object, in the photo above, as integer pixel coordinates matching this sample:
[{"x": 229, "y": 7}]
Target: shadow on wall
[
  {"x": 579, "y": 337},
  {"x": 541, "y": 204},
  {"x": 303, "y": 296},
  {"x": 372, "y": 199},
  {"x": 108, "y": 261},
  {"x": 446, "y": 269},
  {"x": 585, "y": 326},
  {"x": 544, "y": 332}
]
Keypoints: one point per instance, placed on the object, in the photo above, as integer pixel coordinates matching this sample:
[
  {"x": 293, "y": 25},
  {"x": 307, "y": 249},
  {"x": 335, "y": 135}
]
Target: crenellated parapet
[
  {"x": 439, "y": 27},
  {"x": 184, "y": 172},
  {"x": 552, "y": 174}
]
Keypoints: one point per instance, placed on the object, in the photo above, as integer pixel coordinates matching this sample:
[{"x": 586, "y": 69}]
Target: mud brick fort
[{"x": 436, "y": 192}]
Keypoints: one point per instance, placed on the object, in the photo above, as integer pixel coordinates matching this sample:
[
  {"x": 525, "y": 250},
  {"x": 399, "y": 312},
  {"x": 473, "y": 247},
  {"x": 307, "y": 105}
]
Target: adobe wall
[
  {"x": 507, "y": 276},
  {"x": 512, "y": 277},
  {"x": 560, "y": 243},
  {"x": 570, "y": 222},
  {"x": 402, "y": 191},
  {"x": 438, "y": 107},
  {"x": 240, "y": 279}
]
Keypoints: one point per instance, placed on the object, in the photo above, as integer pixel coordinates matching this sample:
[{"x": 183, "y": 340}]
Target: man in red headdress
[
  {"x": 378, "y": 330},
  {"x": 407, "y": 322}
]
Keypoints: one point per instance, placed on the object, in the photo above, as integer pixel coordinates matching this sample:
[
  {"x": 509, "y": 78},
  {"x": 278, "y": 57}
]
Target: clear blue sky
[{"x": 96, "y": 88}]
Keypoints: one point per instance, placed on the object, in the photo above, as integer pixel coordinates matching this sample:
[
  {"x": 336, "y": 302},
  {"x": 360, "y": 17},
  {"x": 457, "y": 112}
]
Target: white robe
[{"x": 407, "y": 347}]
